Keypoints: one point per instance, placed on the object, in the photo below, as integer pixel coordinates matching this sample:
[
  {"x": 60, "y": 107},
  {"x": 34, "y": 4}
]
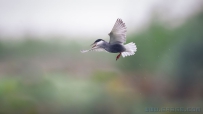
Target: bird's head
[{"x": 97, "y": 43}]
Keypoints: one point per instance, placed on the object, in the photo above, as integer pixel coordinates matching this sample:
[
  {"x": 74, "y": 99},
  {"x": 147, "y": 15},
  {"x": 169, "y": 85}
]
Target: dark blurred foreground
[{"x": 54, "y": 77}]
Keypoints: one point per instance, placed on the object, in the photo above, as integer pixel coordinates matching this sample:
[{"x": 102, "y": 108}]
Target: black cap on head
[{"x": 98, "y": 40}]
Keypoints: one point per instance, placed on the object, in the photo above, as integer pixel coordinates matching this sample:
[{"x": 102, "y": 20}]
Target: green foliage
[{"x": 158, "y": 42}]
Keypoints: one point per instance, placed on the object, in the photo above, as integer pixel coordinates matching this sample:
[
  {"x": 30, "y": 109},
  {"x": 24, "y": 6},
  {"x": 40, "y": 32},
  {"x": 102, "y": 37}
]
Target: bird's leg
[{"x": 118, "y": 56}]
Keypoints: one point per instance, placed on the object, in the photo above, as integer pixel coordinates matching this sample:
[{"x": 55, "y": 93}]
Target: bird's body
[
  {"x": 116, "y": 43},
  {"x": 114, "y": 48}
]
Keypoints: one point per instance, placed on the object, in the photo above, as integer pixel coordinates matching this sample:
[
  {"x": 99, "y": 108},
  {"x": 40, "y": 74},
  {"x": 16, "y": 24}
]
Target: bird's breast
[{"x": 116, "y": 48}]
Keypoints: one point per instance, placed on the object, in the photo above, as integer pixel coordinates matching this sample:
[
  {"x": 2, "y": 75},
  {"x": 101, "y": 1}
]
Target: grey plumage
[{"x": 116, "y": 43}]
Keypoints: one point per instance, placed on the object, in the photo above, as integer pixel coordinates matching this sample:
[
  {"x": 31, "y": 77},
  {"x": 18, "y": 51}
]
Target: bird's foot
[{"x": 118, "y": 56}]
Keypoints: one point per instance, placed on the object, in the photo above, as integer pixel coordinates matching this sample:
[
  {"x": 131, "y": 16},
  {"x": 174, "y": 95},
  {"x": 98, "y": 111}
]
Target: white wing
[
  {"x": 118, "y": 33},
  {"x": 93, "y": 49}
]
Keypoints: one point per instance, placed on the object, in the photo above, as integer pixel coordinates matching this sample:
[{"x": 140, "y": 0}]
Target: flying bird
[{"x": 116, "y": 42}]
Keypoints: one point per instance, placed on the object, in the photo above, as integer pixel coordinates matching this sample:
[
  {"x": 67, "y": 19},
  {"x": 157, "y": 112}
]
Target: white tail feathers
[{"x": 130, "y": 49}]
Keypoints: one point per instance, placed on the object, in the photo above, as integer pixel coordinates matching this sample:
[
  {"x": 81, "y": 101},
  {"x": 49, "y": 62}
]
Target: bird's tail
[{"x": 130, "y": 49}]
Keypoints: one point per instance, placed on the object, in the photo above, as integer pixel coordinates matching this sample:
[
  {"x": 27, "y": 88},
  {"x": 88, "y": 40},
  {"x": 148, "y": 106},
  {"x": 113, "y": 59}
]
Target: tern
[{"x": 116, "y": 42}]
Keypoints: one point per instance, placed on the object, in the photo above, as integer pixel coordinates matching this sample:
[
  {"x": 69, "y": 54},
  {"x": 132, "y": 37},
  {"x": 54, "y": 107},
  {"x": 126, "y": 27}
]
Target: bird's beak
[{"x": 93, "y": 45}]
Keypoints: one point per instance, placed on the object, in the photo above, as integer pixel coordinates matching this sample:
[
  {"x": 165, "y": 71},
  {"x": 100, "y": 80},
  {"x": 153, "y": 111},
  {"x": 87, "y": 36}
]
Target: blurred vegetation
[
  {"x": 54, "y": 77},
  {"x": 158, "y": 42}
]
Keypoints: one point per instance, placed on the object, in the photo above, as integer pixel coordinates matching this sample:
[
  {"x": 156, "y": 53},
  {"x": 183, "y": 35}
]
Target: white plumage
[{"x": 130, "y": 49}]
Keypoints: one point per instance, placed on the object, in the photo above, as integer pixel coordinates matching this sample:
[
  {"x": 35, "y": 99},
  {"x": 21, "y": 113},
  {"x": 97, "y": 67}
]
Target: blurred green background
[{"x": 51, "y": 76}]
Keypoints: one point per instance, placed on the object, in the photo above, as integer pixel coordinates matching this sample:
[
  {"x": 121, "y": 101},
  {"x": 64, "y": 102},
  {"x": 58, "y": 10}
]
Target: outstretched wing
[
  {"x": 93, "y": 49},
  {"x": 118, "y": 33}
]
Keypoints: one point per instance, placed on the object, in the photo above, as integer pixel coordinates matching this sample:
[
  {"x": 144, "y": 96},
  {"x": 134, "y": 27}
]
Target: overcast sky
[{"x": 87, "y": 18}]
